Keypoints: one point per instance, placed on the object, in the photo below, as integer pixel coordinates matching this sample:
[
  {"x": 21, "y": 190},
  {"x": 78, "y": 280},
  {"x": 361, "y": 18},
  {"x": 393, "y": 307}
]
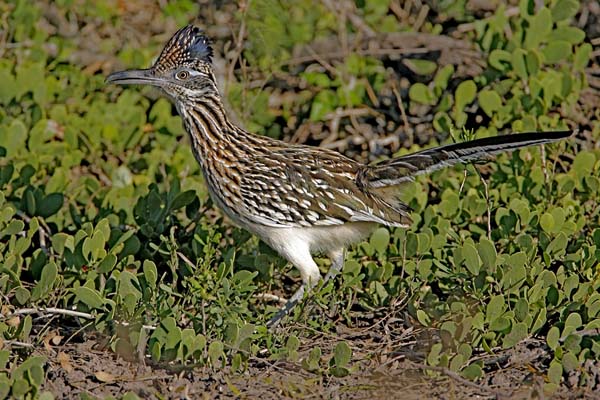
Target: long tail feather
[{"x": 405, "y": 168}]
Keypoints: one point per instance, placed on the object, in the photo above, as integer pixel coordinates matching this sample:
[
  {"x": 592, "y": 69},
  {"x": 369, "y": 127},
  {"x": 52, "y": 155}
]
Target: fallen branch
[{"x": 62, "y": 311}]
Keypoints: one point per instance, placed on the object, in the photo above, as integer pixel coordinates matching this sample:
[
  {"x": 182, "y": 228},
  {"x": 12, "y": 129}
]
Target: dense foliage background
[{"x": 108, "y": 238}]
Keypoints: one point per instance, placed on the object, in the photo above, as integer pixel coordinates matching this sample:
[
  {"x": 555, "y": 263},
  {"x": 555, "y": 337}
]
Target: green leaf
[
  {"x": 540, "y": 27},
  {"x": 420, "y": 67},
  {"x": 500, "y": 59},
  {"x": 30, "y": 203},
  {"x": 423, "y": 318},
  {"x": 519, "y": 63},
  {"x": 569, "y": 362},
  {"x": 582, "y": 57},
  {"x": 20, "y": 387},
  {"x": 547, "y": 222},
  {"x": 50, "y": 205},
  {"x": 573, "y": 343},
  {"x": 107, "y": 264},
  {"x": 5, "y": 383},
  {"x": 47, "y": 280},
  {"x": 292, "y": 344},
  {"x": 583, "y": 164},
  {"x": 440, "y": 82},
  {"x": 89, "y": 297},
  {"x": 521, "y": 309},
  {"x": 495, "y": 307},
  {"x": 487, "y": 253},
  {"x": 22, "y": 295},
  {"x": 516, "y": 334},
  {"x": 500, "y": 324},
  {"x": 380, "y": 240},
  {"x": 14, "y": 138},
  {"x": 9, "y": 88},
  {"x": 15, "y": 226},
  {"x": 420, "y": 93},
  {"x": 533, "y": 62},
  {"x": 553, "y": 337},
  {"x": 324, "y": 103},
  {"x": 572, "y": 323},
  {"x": 183, "y": 199},
  {"x": 569, "y": 34},
  {"x": 564, "y": 9},
  {"x": 93, "y": 247},
  {"x": 215, "y": 353},
  {"x": 150, "y": 273},
  {"x": 490, "y": 102},
  {"x": 557, "y": 51},
  {"x": 60, "y": 241},
  {"x": 342, "y": 354},
  {"x": 471, "y": 258},
  {"x": 472, "y": 372},
  {"x": 311, "y": 363},
  {"x": 465, "y": 94},
  {"x": 555, "y": 372}
]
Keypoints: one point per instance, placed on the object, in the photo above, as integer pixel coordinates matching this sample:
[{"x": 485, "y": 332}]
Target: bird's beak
[{"x": 134, "y": 76}]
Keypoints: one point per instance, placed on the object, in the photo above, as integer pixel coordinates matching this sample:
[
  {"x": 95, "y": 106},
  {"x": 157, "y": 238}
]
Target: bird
[{"x": 301, "y": 200}]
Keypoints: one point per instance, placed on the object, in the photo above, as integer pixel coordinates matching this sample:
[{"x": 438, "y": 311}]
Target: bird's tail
[{"x": 402, "y": 169}]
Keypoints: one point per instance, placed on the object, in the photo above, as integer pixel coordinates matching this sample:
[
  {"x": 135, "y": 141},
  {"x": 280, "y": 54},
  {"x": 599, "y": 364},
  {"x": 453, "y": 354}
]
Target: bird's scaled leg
[
  {"x": 310, "y": 277},
  {"x": 337, "y": 263}
]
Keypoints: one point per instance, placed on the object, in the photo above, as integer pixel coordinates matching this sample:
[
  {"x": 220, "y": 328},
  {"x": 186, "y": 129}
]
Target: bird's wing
[{"x": 303, "y": 187}]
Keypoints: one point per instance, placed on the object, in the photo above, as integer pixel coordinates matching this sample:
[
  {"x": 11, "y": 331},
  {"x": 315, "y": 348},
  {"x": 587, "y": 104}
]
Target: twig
[
  {"x": 543, "y": 150},
  {"x": 51, "y": 310},
  {"x": 62, "y": 311},
  {"x": 17, "y": 343},
  {"x": 423, "y": 12},
  {"x": 239, "y": 42},
  {"x": 270, "y": 297},
  {"x": 409, "y": 131},
  {"x": 462, "y": 184},
  {"x": 186, "y": 260},
  {"x": 487, "y": 205}
]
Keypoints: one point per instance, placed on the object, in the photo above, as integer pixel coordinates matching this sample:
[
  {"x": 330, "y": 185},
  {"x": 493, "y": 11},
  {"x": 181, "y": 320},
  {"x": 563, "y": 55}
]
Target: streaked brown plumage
[{"x": 298, "y": 199}]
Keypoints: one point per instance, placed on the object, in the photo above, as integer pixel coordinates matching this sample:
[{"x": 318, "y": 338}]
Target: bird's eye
[{"x": 182, "y": 75}]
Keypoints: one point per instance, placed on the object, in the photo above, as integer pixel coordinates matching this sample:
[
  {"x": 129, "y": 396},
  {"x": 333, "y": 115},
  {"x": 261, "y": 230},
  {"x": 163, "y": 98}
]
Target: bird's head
[{"x": 183, "y": 70}]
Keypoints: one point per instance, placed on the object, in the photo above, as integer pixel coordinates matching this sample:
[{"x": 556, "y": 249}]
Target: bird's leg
[
  {"x": 337, "y": 263},
  {"x": 310, "y": 277}
]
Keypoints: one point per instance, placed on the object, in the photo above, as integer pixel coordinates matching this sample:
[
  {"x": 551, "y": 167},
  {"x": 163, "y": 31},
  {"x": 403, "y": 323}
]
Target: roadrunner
[{"x": 299, "y": 199}]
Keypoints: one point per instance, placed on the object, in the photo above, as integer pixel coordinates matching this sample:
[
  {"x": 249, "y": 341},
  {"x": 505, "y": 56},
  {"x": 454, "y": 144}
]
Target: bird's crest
[{"x": 188, "y": 46}]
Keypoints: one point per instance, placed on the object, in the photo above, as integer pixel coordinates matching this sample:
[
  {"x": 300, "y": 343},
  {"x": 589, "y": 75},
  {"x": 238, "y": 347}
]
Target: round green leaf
[
  {"x": 472, "y": 372},
  {"x": 50, "y": 205},
  {"x": 471, "y": 258},
  {"x": 547, "y": 222},
  {"x": 342, "y": 354},
  {"x": 380, "y": 240},
  {"x": 555, "y": 372},
  {"x": 465, "y": 94},
  {"x": 557, "y": 51},
  {"x": 89, "y": 297},
  {"x": 564, "y": 9},
  {"x": 490, "y": 102},
  {"x": 420, "y": 93}
]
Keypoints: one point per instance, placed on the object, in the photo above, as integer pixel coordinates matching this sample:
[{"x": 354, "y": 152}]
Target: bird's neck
[{"x": 213, "y": 136}]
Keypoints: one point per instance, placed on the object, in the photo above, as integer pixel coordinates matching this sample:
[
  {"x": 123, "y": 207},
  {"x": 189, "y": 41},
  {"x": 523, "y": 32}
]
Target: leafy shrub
[{"x": 103, "y": 214}]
